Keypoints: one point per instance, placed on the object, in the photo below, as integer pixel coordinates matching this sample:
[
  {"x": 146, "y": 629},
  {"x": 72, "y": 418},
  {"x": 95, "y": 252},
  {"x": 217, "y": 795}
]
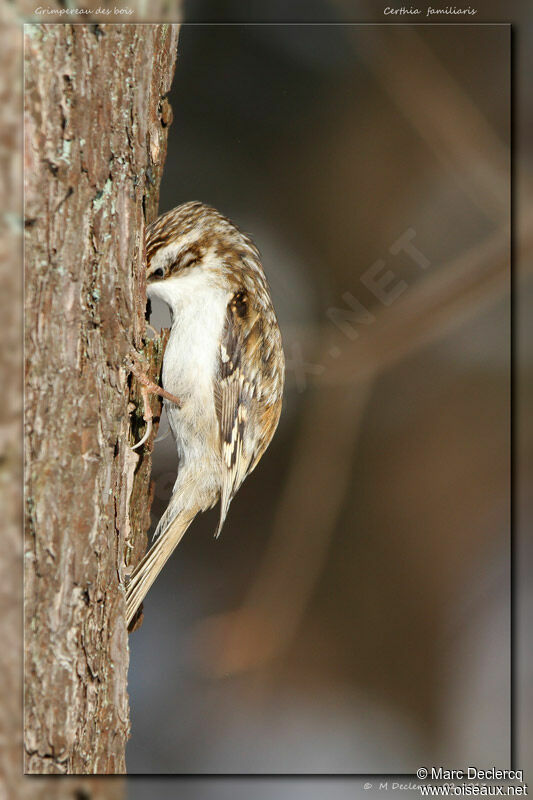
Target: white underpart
[{"x": 198, "y": 309}]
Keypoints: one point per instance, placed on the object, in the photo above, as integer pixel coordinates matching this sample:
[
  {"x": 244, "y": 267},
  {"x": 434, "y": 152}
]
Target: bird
[{"x": 223, "y": 367}]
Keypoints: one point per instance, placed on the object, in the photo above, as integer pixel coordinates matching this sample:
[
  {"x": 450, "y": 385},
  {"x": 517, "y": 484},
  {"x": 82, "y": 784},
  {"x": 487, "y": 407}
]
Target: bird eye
[{"x": 159, "y": 273}]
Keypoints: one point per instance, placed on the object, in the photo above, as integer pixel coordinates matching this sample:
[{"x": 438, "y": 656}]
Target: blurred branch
[
  {"x": 444, "y": 116},
  {"x": 430, "y": 310}
]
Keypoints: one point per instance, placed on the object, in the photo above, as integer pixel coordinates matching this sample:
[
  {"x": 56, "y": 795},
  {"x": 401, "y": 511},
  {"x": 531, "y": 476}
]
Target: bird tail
[{"x": 153, "y": 562}]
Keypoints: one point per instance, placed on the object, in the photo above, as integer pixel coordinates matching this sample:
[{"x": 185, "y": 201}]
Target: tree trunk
[{"x": 95, "y": 126}]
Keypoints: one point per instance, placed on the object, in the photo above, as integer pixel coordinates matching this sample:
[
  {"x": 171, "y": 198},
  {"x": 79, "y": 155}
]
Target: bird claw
[
  {"x": 146, "y": 436},
  {"x": 147, "y": 416},
  {"x": 149, "y": 387}
]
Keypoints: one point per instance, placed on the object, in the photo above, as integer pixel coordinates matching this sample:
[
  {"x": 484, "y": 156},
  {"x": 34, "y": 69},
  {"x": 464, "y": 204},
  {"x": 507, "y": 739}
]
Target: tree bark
[{"x": 95, "y": 140}]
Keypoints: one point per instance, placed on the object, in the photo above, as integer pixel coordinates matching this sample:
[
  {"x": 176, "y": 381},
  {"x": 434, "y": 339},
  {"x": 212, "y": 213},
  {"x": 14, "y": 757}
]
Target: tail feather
[
  {"x": 151, "y": 565},
  {"x": 225, "y": 500}
]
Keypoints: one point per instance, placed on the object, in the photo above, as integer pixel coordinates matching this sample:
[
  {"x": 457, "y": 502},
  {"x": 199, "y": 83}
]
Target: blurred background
[{"x": 354, "y": 617}]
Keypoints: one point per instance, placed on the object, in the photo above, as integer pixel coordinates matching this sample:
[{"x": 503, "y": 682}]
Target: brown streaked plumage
[{"x": 224, "y": 360}]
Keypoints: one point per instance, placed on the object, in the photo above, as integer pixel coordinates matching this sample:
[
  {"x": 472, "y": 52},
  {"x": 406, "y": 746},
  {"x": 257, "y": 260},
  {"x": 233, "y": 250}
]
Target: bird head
[{"x": 194, "y": 247}]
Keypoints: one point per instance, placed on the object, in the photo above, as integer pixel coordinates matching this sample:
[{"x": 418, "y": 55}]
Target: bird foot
[{"x": 149, "y": 387}]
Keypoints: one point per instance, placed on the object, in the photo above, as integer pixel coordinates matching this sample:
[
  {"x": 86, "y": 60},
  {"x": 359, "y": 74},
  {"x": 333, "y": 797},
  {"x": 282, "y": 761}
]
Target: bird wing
[
  {"x": 241, "y": 407},
  {"x": 234, "y": 403}
]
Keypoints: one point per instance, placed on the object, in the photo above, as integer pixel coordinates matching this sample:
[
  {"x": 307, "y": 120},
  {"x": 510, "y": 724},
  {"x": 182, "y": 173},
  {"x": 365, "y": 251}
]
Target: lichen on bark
[{"x": 96, "y": 120}]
